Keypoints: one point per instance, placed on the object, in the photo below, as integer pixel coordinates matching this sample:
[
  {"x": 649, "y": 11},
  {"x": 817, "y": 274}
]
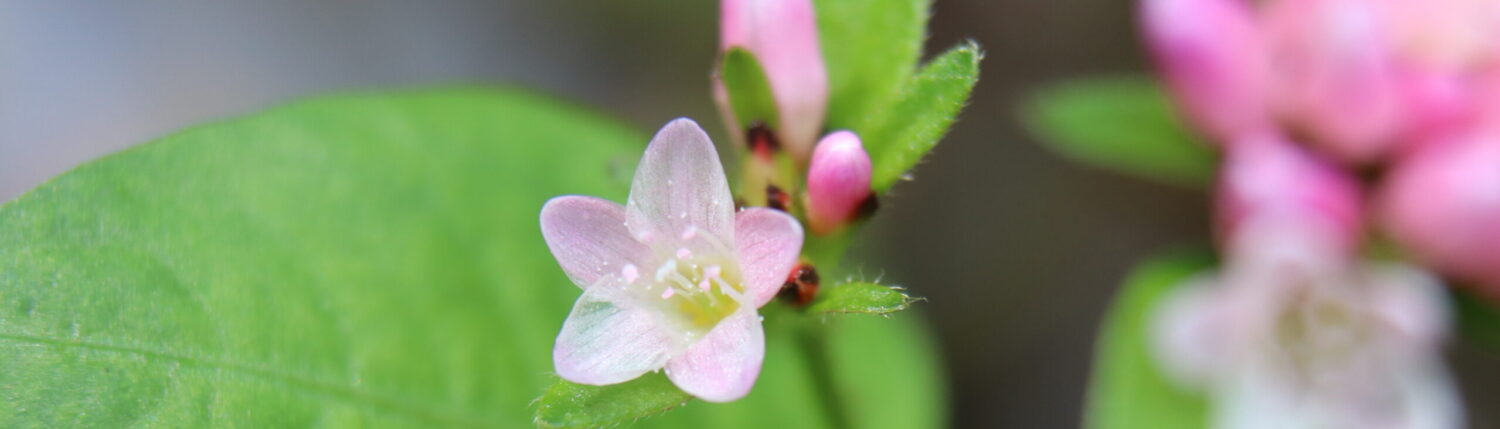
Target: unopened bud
[
  {"x": 1270, "y": 184},
  {"x": 838, "y": 182},
  {"x": 783, "y": 37},
  {"x": 1442, "y": 202},
  {"x": 1214, "y": 61}
]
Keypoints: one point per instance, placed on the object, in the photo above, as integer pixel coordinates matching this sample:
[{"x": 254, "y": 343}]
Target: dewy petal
[
  {"x": 608, "y": 340},
  {"x": 769, "y": 243},
  {"x": 722, "y": 367},
  {"x": 680, "y": 187},
  {"x": 588, "y": 237}
]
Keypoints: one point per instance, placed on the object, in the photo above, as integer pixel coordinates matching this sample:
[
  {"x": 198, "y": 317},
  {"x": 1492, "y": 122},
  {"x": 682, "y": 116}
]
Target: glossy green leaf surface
[
  {"x": 368, "y": 260},
  {"x": 928, "y": 104},
  {"x": 1122, "y": 124},
  {"x": 1127, "y": 390},
  {"x": 860, "y": 298}
]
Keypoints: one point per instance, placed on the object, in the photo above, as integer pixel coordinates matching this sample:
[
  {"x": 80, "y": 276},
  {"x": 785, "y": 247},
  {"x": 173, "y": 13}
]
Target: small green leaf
[
  {"x": 1127, "y": 390},
  {"x": 870, "y": 48},
  {"x": 749, "y": 90},
  {"x": 929, "y": 103},
  {"x": 861, "y": 298},
  {"x": 571, "y": 405},
  {"x": 1124, "y": 124}
]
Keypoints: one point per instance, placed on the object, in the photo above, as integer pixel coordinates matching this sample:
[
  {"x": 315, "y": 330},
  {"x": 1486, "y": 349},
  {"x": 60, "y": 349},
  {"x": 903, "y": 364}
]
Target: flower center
[{"x": 693, "y": 291}]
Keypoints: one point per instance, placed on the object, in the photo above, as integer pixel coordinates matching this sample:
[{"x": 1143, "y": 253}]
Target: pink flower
[
  {"x": 673, "y": 278},
  {"x": 838, "y": 181},
  {"x": 1213, "y": 58},
  {"x": 1281, "y": 343},
  {"x": 1294, "y": 332},
  {"x": 1267, "y": 182},
  {"x": 1337, "y": 75},
  {"x": 1443, "y": 203},
  {"x": 783, "y": 37}
]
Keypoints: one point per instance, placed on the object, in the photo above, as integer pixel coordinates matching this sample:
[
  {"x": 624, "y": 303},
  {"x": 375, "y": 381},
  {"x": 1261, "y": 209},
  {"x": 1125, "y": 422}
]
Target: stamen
[
  {"x": 668, "y": 268},
  {"x": 630, "y": 273},
  {"x": 684, "y": 253},
  {"x": 681, "y": 281},
  {"x": 725, "y": 288},
  {"x": 703, "y": 285},
  {"x": 668, "y": 293},
  {"x": 690, "y": 232},
  {"x": 713, "y": 271}
]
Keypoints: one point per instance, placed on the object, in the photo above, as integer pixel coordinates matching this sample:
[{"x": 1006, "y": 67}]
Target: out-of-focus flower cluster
[
  {"x": 1343, "y": 124},
  {"x": 1405, "y": 93}
]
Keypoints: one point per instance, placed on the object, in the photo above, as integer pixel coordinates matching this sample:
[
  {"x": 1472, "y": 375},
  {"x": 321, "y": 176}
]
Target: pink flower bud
[
  {"x": 1443, "y": 203},
  {"x": 1213, "y": 58},
  {"x": 1267, "y": 180},
  {"x": 783, "y": 36},
  {"x": 1337, "y": 76},
  {"x": 838, "y": 182}
]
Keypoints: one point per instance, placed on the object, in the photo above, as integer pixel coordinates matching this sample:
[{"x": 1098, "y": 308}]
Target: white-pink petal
[
  {"x": 679, "y": 187},
  {"x": 608, "y": 340},
  {"x": 1192, "y": 330},
  {"x": 722, "y": 366},
  {"x": 769, "y": 243},
  {"x": 588, "y": 237}
]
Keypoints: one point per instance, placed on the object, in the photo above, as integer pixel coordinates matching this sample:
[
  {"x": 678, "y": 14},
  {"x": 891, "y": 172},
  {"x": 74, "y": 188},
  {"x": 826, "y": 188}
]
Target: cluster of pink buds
[
  {"x": 1405, "y": 91},
  {"x": 831, "y": 173}
]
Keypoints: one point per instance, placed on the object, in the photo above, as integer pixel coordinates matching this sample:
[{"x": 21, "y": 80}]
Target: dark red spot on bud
[{"x": 762, "y": 141}]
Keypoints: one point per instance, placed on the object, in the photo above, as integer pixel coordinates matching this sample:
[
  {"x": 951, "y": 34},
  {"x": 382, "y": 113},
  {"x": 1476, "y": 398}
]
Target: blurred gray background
[{"x": 1018, "y": 251}]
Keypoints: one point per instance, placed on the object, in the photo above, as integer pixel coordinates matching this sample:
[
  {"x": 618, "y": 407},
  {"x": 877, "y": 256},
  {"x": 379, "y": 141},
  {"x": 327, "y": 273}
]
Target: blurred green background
[{"x": 1017, "y": 251}]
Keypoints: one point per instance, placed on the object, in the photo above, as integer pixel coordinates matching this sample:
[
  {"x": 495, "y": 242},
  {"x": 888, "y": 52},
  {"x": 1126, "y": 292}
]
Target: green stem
[{"x": 814, "y": 338}]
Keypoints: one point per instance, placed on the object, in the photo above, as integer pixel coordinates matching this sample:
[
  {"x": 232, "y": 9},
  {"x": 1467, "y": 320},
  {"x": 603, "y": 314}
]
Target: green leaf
[
  {"x": 749, "y": 90},
  {"x": 1127, "y": 390},
  {"x": 928, "y": 105},
  {"x": 860, "y": 298},
  {"x": 1124, "y": 124},
  {"x": 569, "y": 404},
  {"x": 357, "y": 261},
  {"x": 870, "y": 48}
]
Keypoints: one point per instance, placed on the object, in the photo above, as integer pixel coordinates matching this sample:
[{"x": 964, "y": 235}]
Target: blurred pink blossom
[
  {"x": 1212, "y": 56},
  {"x": 783, "y": 37},
  {"x": 1295, "y": 331},
  {"x": 838, "y": 181},
  {"x": 1356, "y": 79},
  {"x": 673, "y": 278},
  {"x": 1269, "y": 182},
  {"x": 1443, "y": 204}
]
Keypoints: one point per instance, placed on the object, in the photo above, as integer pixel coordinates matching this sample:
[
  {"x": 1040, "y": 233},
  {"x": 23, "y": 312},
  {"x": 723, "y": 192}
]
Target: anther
[{"x": 630, "y": 273}]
